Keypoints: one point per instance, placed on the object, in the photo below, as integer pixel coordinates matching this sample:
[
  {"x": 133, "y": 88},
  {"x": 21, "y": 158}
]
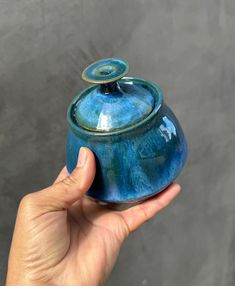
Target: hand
[{"x": 63, "y": 238}]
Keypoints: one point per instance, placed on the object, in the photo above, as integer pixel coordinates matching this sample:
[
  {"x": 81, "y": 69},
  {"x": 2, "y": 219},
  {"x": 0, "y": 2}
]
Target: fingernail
[
  {"x": 82, "y": 157},
  {"x": 178, "y": 189}
]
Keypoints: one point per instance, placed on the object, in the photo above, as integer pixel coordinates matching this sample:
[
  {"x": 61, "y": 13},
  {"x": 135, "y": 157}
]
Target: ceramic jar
[{"x": 139, "y": 145}]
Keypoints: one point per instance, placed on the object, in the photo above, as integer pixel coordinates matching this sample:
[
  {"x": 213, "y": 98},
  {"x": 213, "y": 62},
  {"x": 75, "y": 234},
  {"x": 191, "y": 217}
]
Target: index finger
[{"x": 137, "y": 215}]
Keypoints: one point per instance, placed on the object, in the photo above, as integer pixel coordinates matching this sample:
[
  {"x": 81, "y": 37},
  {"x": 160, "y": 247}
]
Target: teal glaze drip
[{"x": 135, "y": 165}]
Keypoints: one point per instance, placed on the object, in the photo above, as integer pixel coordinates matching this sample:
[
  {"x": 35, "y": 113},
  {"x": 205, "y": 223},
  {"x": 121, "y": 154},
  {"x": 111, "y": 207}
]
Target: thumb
[{"x": 64, "y": 193}]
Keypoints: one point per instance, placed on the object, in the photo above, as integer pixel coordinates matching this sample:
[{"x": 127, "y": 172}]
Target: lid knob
[{"x": 105, "y": 71}]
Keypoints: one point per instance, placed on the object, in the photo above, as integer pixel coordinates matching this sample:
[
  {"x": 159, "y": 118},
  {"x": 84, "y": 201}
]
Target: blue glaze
[
  {"x": 138, "y": 153},
  {"x": 102, "y": 109},
  {"x": 134, "y": 165},
  {"x": 105, "y": 71}
]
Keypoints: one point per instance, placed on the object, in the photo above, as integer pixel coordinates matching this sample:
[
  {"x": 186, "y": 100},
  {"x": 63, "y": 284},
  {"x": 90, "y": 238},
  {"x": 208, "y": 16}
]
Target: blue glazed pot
[{"x": 138, "y": 142}]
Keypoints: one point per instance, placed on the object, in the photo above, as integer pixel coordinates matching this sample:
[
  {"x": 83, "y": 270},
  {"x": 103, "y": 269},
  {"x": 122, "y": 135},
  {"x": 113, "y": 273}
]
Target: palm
[
  {"x": 82, "y": 240},
  {"x": 96, "y": 234}
]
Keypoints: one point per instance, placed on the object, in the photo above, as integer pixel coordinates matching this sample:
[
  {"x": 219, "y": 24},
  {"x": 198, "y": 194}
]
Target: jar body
[{"x": 133, "y": 165}]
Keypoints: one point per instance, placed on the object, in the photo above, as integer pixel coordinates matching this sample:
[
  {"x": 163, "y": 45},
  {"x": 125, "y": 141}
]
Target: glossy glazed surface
[
  {"x": 114, "y": 107},
  {"x": 105, "y": 71},
  {"x": 138, "y": 143},
  {"x": 136, "y": 164}
]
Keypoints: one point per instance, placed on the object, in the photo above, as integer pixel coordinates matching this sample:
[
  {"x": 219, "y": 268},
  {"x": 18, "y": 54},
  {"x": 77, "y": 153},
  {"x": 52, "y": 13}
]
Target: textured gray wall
[{"x": 188, "y": 47}]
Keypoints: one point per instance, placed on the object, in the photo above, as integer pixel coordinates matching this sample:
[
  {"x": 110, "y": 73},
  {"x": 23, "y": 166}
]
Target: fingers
[
  {"x": 62, "y": 175},
  {"x": 68, "y": 189},
  {"x": 139, "y": 214}
]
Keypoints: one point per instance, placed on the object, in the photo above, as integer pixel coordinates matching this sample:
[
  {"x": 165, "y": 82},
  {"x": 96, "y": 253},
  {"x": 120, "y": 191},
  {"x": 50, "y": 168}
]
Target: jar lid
[{"x": 113, "y": 102}]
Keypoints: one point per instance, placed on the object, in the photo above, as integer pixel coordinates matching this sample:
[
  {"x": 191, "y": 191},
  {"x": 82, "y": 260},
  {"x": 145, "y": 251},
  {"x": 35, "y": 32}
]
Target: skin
[{"x": 63, "y": 238}]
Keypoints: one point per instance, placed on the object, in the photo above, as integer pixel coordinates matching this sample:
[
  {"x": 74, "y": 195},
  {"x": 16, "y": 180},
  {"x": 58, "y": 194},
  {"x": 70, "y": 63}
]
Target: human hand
[{"x": 63, "y": 238}]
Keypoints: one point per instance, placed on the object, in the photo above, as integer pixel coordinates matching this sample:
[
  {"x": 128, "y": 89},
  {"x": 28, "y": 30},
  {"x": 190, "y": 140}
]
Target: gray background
[{"x": 188, "y": 48}]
